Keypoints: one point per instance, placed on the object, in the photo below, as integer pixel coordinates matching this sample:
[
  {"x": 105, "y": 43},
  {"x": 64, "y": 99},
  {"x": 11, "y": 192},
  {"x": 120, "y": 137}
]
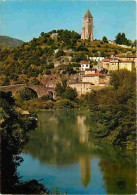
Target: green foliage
[
  {"x": 61, "y": 87},
  {"x": 114, "y": 108},
  {"x": 64, "y": 91},
  {"x": 27, "y": 94},
  {"x": 70, "y": 94},
  {"x": 70, "y": 70},
  {"x": 60, "y": 53},
  {"x": 31, "y": 187},
  {"x": 82, "y": 48},
  {"x": 65, "y": 104},
  {"x": 105, "y": 39},
  {"x": 37, "y": 56},
  {"x": 47, "y": 72},
  {"x": 34, "y": 81},
  {"x": 4, "y": 80},
  {"x": 49, "y": 96},
  {"x": 14, "y": 129},
  {"x": 8, "y": 42},
  {"x": 78, "y": 57},
  {"x": 121, "y": 39}
]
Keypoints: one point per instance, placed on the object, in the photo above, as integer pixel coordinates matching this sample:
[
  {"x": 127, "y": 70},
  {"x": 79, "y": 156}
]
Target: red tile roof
[
  {"x": 103, "y": 82},
  {"x": 106, "y": 60},
  {"x": 85, "y": 62}
]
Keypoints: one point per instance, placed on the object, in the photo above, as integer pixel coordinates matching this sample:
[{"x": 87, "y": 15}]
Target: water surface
[{"x": 60, "y": 152}]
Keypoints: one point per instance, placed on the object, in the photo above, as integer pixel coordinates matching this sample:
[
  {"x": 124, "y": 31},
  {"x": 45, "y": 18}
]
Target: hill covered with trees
[
  {"x": 26, "y": 62},
  {"x": 8, "y": 42}
]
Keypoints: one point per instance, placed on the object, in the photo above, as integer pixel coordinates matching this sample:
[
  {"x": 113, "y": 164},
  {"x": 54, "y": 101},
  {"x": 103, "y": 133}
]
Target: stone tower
[{"x": 87, "y": 30}]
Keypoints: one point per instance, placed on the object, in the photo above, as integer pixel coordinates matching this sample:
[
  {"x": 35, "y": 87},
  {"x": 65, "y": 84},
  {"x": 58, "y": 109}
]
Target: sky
[{"x": 26, "y": 19}]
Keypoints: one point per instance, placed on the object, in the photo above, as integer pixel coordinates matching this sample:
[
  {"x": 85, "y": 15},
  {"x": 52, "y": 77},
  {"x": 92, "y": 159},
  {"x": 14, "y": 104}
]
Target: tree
[
  {"x": 60, "y": 53},
  {"x": 65, "y": 91},
  {"x": 61, "y": 87},
  {"x": 115, "y": 110},
  {"x": 42, "y": 34},
  {"x": 70, "y": 94},
  {"x": 14, "y": 129},
  {"x": 121, "y": 39},
  {"x": 34, "y": 81},
  {"x": 27, "y": 94},
  {"x": 105, "y": 39}
]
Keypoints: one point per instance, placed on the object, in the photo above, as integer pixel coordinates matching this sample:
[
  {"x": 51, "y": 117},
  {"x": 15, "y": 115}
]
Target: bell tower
[{"x": 87, "y": 30}]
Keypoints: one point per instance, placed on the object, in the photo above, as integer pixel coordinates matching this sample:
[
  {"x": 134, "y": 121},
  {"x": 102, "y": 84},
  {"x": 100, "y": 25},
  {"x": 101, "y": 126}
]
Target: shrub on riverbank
[
  {"x": 115, "y": 109},
  {"x": 65, "y": 104},
  {"x": 14, "y": 135},
  {"x": 36, "y": 105}
]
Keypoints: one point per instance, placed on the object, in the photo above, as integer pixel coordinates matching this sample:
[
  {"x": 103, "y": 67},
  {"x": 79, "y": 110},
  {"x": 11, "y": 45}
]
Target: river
[{"x": 61, "y": 153}]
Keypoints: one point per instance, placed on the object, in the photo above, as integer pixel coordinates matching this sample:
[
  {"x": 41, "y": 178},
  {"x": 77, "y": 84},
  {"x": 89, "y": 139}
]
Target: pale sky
[{"x": 26, "y": 19}]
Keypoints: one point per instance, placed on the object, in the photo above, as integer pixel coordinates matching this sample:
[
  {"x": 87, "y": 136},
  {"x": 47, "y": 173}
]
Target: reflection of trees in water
[
  {"x": 118, "y": 171},
  {"x": 62, "y": 139},
  {"x": 58, "y": 138}
]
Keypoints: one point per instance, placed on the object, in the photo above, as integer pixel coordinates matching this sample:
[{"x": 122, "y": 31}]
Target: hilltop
[
  {"x": 8, "y": 42},
  {"x": 39, "y": 56}
]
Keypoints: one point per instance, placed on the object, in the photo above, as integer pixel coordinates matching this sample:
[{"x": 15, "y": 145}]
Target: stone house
[
  {"x": 90, "y": 71},
  {"x": 82, "y": 87},
  {"x": 120, "y": 64},
  {"x": 105, "y": 63},
  {"x": 95, "y": 78},
  {"x": 129, "y": 65},
  {"x": 126, "y": 57},
  {"x": 113, "y": 65}
]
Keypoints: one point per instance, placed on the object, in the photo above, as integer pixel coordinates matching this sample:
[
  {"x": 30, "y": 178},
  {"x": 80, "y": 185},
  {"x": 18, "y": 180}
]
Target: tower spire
[
  {"x": 88, "y": 14},
  {"x": 87, "y": 30}
]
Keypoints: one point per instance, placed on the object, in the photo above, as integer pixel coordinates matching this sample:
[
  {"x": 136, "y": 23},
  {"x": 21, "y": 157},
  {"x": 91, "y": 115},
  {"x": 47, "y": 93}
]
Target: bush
[
  {"x": 65, "y": 104},
  {"x": 27, "y": 94},
  {"x": 47, "y": 72},
  {"x": 34, "y": 81},
  {"x": 49, "y": 104},
  {"x": 60, "y": 53},
  {"x": 47, "y": 97},
  {"x": 70, "y": 94}
]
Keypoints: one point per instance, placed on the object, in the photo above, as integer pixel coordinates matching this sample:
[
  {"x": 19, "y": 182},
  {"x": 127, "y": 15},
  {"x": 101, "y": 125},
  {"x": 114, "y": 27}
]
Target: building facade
[
  {"x": 84, "y": 65},
  {"x": 87, "y": 30},
  {"x": 81, "y": 87}
]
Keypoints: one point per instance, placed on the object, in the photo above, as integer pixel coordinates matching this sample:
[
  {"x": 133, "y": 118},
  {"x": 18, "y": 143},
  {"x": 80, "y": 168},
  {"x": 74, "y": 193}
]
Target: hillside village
[
  {"x": 61, "y": 54},
  {"x": 97, "y": 76}
]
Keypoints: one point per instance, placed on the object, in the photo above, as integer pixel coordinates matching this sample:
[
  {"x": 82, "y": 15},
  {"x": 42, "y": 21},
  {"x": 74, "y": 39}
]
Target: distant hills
[{"x": 8, "y": 42}]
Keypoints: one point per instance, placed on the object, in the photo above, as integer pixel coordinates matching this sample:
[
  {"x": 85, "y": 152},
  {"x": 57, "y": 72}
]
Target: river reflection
[{"x": 60, "y": 151}]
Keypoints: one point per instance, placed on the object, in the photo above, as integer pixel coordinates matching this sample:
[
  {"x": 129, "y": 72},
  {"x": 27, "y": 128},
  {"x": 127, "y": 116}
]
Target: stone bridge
[{"x": 39, "y": 89}]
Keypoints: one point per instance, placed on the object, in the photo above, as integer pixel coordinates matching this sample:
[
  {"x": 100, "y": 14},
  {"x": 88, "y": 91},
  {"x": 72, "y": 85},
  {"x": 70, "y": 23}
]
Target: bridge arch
[
  {"x": 28, "y": 93},
  {"x": 39, "y": 89}
]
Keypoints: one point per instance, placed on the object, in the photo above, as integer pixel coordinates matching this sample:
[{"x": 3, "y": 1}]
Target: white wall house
[
  {"x": 84, "y": 65},
  {"x": 96, "y": 58}
]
